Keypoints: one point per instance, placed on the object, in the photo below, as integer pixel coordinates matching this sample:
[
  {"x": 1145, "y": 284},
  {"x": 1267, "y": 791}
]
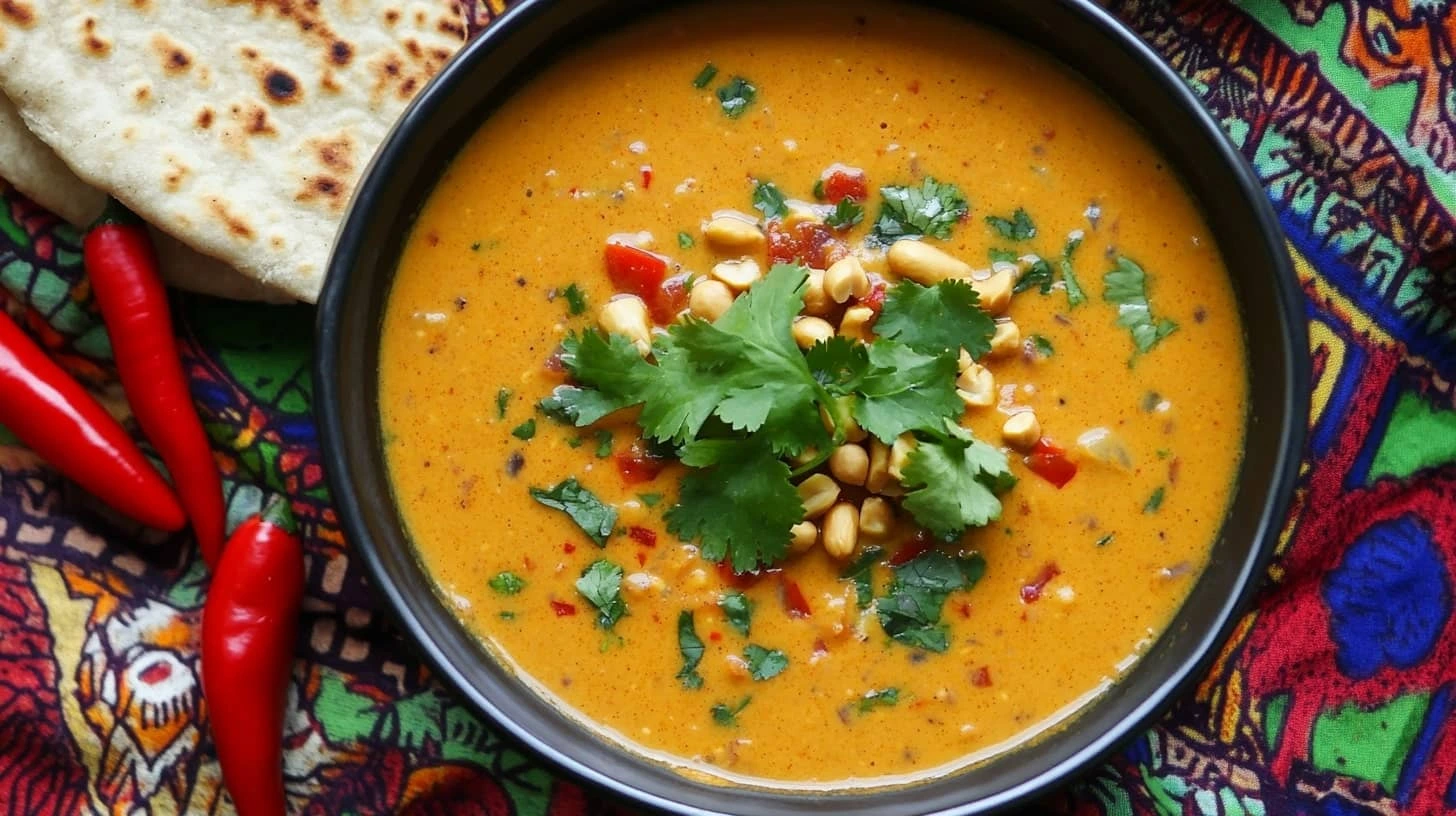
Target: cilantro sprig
[
  {"x": 932, "y": 209},
  {"x": 1127, "y": 288},
  {"x": 910, "y": 610}
]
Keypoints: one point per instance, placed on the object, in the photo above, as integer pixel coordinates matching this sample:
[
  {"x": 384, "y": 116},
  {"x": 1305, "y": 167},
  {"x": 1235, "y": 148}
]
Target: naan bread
[
  {"x": 238, "y": 126},
  {"x": 31, "y": 167}
]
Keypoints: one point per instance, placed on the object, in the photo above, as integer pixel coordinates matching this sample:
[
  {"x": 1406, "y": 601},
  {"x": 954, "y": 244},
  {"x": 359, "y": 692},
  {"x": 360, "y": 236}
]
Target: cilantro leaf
[
  {"x": 502, "y": 401},
  {"x": 1075, "y": 295},
  {"x": 1038, "y": 276},
  {"x": 878, "y": 698},
  {"x": 690, "y": 646},
  {"x": 726, "y": 715},
  {"x": 932, "y": 209},
  {"x": 610, "y": 363},
  {"x": 507, "y": 583},
  {"x": 685, "y": 241},
  {"x": 601, "y": 584},
  {"x": 846, "y": 214},
  {"x": 910, "y": 610},
  {"x": 1002, "y": 256},
  {"x": 1155, "y": 501},
  {"x": 740, "y": 505},
  {"x": 650, "y": 499},
  {"x": 953, "y": 480},
  {"x": 573, "y": 405},
  {"x": 736, "y": 96},
  {"x": 861, "y": 572},
  {"x": 594, "y": 517},
  {"x": 1042, "y": 345},
  {"x": 575, "y": 299},
  {"x": 1127, "y": 286},
  {"x": 765, "y": 664},
  {"x": 737, "y": 610},
  {"x": 604, "y": 443},
  {"x": 525, "y": 431},
  {"x": 705, "y": 76},
  {"x": 1018, "y": 227},
  {"x": 905, "y": 390},
  {"x": 768, "y": 200},
  {"x": 838, "y": 364},
  {"x": 932, "y": 319}
]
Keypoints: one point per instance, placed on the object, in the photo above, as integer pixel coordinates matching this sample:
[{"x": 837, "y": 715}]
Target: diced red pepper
[
  {"x": 647, "y": 177},
  {"x": 636, "y": 465},
  {"x": 672, "y": 298},
  {"x": 1031, "y": 592},
  {"x": 1051, "y": 463},
  {"x": 842, "y": 182},
  {"x": 806, "y": 242},
  {"x": 794, "y": 600},
  {"x": 636, "y": 271},
  {"x": 643, "y": 536},
  {"x": 715, "y": 636},
  {"x": 568, "y": 547},
  {"x": 981, "y": 678},
  {"x": 563, "y": 609},
  {"x": 875, "y": 297}
]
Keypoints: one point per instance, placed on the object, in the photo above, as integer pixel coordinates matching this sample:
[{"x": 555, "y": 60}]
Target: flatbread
[
  {"x": 238, "y": 126},
  {"x": 31, "y": 167}
]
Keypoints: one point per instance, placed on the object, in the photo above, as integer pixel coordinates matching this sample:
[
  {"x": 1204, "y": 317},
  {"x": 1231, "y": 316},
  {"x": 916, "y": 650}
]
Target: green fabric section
[
  {"x": 269, "y": 349},
  {"x": 1274, "y": 712},
  {"x": 1388, "y": 107},
  {"x": 1419, "y": 436},
  {"x": 1369, "y": 744}
]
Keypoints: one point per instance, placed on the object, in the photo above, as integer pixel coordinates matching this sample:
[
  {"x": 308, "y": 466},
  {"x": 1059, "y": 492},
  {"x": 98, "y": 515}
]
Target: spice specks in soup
[{"x": 833, "y": 423}]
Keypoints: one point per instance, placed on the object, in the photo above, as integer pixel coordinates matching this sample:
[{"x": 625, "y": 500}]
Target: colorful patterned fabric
[{"x": 1335, "y": 696}]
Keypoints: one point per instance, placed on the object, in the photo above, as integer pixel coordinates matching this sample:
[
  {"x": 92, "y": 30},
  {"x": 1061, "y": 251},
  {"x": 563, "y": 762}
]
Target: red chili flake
[
  {"x": 642, "y": 536},
  {"x": 794, "y": 600},
  {"x": 637, "y": 465},
  {"x": 672, "y": 299},
  {"x": 916, "y": 547},
  {"x": 1049, "y": 134},
  {"x": 715, "y": 636},
  {"x": 981, "y": 678},
  {"x": 820, "y": 647},
  {"x": 1175, "y": 465},
  {"x": 914, "y": 86},
  {"x": 646, "y": 176},
  {"x": 1031, "y": 592},
  {"x": 1050, "y": 462},
  {"x": 563, "y": 609},
  {"x": 641, "y": 558},
  {"x": 527, "y": 562},
  {"x": 875, "y": 298},
  {"x": 568, "y": 547},
  {"x": 964, "y": 608},
  {"x": 553, "y": 363}
]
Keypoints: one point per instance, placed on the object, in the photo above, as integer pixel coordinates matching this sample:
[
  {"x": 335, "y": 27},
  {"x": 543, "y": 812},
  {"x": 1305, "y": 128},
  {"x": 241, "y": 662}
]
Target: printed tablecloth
[{"x": 1335, "y": 696}]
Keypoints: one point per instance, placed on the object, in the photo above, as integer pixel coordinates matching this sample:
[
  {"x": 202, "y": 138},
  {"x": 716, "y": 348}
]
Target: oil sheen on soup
[{"x": 825, "y": 398}]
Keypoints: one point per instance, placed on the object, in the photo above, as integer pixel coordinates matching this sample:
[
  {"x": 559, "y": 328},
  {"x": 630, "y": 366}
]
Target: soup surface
[{"x": 903, "y": 652}]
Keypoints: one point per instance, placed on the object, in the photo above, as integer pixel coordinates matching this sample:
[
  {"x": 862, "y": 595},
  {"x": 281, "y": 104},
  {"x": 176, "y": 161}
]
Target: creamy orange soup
[{"x": 1121, "y": 480}]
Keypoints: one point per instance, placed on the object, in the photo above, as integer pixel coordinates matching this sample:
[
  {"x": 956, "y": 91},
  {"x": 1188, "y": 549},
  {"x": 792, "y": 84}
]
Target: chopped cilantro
[
  {"x": 601, "y": 584},
  {"x": 765, "y": 664},
  {"x": 736, "y": 96},
  {"x": 1039, "y": 276},
  {"x": 726, "y": 715},
  {"x": 878, "y": 698},
  {"x": 685, "y": 241},
  {"x": 594, "y": 517},
  {"x": 604, "y": 443},
  {"x": 819, "y": 190},
  {"x": 1002, "y": 255},
  {"x": 507, "y": 583},
  {"x": 931, "y": 319},
  {"x": 932, "y": 209},
  {"x": 1075, "y": 295},
  {"x": 502, "y": 402},
  {"x": 1154, "y": 501},
  {"x": 712, "y": 500},
  {"x": 573, "y": 405},
  {"x": 1105, "y": 540},
  {"x": 768, "y": 200},
  {"x": 910, "y": 610},
  {"x": 650, "y": 499},
  {"x": 507, "y": 614},
  {"x": 690, "y": 646},
  {"x": 1018, "y": 227},
  {"x": 953, "y": 480},
  {"x": 1127, "y": 287},
  {"x": 737, "y": 610},
  {"x": 1164, "y": 453},
  {"x": 861, "y": 572},
  {"x": 1042, "y": 345},
  {"x": 575, "y": 299},
  {"x": 845, "y": 215},
  {"x": 525, "y": 430},
  {"x": 705, "y": 76},
  {"x": 574, "y": 441}
]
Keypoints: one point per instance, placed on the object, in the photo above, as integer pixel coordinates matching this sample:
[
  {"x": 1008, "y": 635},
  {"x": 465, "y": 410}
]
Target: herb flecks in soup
[{"x": 823, "y": 399}]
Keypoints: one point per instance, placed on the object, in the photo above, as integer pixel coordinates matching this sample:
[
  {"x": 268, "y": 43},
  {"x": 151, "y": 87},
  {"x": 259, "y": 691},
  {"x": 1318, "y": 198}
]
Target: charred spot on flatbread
[
  {"x": 236, "y": 226},
  {"x": 94, "y": 43},
  {"x": 340, "y": 53},
  {"x": 204, "y": 118},
  {"x": 176, "y": 175},
  {"x": 18, "y": 12},
  {"x": 281, "y": 86},
  {"x": 175, "y": 58},
  {"x": 333, "y": 193}
]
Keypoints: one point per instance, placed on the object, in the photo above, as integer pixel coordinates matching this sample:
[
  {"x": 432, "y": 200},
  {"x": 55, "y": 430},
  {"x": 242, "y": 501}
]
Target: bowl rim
[{"x": 329, "y": 357}]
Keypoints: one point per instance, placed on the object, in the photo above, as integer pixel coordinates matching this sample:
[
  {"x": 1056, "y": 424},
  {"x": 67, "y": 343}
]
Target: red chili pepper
[
  {"x": 249, "y": 627},
  {"x": 55, "y": 417},
  {"x": 122, "y": 267},
  {"x": 842, "y": 182},
  {"x": 646, "y": 177},
  {"x": 563, "y": 609},
  {"x": 981, "y": 678},
  {"x": 1051, "y": 463},
  {"x": 636, "y": 465},
  {"x": 794, "y": 600},
  {"x": 1031, "y": 592},
  {"x": 641, "y": 273},
  {"x": 642, "y": 536}
]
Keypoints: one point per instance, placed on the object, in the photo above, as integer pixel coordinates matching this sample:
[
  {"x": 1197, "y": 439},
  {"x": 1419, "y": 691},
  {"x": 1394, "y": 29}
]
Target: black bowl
[{"x": 1080, "y": 35}]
